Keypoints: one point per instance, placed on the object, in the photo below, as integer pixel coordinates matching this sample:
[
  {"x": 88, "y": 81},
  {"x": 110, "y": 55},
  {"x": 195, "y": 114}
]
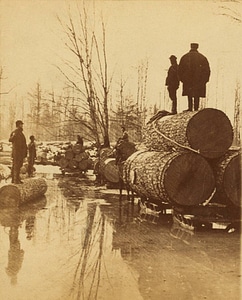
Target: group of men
[
  {"x": 194, "y": 72},
  {"x": 20, "y": 150}
]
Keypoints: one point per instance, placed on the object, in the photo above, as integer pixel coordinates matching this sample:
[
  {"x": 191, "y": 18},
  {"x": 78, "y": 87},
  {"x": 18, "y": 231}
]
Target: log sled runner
[{"x": 14, "y": 195}]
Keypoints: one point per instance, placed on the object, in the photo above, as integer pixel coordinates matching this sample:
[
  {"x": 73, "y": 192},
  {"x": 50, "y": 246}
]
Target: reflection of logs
[
  {"x": 181, "y": 178},
  {"x": 16, "y": 194},
  {"x": 228, "y": 178},
  {"x": 208, "y": 130}
]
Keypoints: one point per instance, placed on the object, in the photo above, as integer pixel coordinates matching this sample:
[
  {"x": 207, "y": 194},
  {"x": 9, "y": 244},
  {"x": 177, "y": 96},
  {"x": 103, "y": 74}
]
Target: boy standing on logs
[
  {"x": 19, "y": 151},
  {"x": 31, "y": 156},
  {"x": 194, "y": 73},
  {"x": 172, "y": 83}
]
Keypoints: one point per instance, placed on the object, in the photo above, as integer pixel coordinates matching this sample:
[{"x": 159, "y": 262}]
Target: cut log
[
  {"x": 228, "y": 178},
  {"x": 181, "y": 178},
  {"x": 109, "y": 170},
  {"x": 207, "y": 131},
  {"x": 16, "y": 194}
]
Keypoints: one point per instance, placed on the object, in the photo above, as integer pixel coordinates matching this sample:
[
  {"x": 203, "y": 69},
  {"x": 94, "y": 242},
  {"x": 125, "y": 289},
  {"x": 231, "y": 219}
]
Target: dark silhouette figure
[
  {"x": 15, "y": 255},
  {"x": 172, "y": 83},
  {"x": 125, "y": 136},
  {"x": 194, "y": 73},
  {"x": 19, "y": 151},
  {"x": 79, "y": 140},
  {"x": 31, "y": 155}
]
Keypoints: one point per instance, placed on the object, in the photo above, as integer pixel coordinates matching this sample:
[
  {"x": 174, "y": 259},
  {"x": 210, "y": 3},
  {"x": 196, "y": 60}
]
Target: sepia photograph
[{"x": 120, "y": 149}]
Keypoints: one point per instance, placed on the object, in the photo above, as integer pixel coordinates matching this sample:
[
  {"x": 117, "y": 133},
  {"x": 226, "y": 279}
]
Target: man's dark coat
[{"x": 194, "y": 73}]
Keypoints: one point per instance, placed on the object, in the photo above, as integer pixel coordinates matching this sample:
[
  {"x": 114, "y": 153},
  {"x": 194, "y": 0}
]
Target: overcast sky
[{"x": 31, "y": 42}]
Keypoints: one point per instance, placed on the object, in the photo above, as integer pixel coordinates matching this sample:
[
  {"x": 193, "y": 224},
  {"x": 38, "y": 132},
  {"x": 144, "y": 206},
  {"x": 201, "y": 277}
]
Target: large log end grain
[
  {"x": 232, "y": 180},
  {"x": 228, "y": 178},
  {"x": 181, "y": 178},
  {"x": 110, "y": 170},
  {"x": 16, "y": 194},
  {"x": 210, "y": 132},
  {"x": 207, "y": 131},
  {"x": 189, "y": 180}
]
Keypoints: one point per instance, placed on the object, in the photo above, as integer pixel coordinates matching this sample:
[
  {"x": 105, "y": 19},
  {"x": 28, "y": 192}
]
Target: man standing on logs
[
  {"x": 19, "y": 151},
  {"x": 172, "y": 83},
  {"x": 194, "y": 73}
]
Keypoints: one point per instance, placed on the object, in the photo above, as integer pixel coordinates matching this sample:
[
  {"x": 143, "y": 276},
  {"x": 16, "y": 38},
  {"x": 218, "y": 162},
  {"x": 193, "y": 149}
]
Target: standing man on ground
[
  {"x": 172, "y": 83},
  {"x": 19, "y": 151},
  {"x": 31, "y": 156},
  {"x": 194, "y": 73}
]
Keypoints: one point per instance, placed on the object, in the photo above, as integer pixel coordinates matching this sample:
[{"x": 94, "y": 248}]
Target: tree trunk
[
  {"x": 228, "y": 178},
  {"x": 182, "y": 178},
  {"x": 17, "y": 194},
  {"x": 208, "y": 131}
]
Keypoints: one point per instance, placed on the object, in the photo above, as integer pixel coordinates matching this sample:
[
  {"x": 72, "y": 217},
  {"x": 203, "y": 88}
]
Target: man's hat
[
  {"x": 194, "y": 45},
  {"x": 172, "y": 57},
  {"x": 18, "y": 122}
]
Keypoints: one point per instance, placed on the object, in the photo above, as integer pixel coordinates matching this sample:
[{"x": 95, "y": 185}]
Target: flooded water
[{"x": 81, "y": 242}]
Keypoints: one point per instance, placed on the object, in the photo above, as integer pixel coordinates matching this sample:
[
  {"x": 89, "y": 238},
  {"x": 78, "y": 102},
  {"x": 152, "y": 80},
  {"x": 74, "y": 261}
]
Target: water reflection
[
  {"x": 13, "y": 218},
  {"x": 82, "y": 243}
]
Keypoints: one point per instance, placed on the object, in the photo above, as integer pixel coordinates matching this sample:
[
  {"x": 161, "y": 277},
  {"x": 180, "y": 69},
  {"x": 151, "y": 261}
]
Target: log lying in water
[
  {"x": 228, "y": 178},
  {"x": 182, "y": 178},
  {"x": 208, "y": 131},
  {"x": 16, "y": 194}
]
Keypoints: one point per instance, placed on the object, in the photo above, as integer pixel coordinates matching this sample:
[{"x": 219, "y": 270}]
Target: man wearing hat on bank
[
  {"x": 19, "y": 151},
  {"x": 194, "y": 73},
  {"x": 172, "y": 82}
]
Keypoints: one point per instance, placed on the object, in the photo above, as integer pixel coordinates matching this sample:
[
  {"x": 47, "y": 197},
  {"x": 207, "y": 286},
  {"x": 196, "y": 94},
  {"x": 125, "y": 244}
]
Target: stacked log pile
[
  {"x": 186, "y": 159},
  {"x": 76, "y": 158},
  {"x": 13, "y": 195}
]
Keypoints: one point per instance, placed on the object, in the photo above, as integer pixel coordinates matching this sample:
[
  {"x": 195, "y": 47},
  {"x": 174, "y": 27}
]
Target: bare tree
[{"x": 89, "y": 71}]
